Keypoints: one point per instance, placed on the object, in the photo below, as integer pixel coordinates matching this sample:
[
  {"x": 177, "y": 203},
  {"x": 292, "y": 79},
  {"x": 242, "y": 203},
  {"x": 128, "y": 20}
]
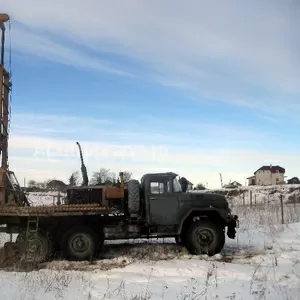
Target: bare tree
[
  {"x": 74, "y": 179},
  {"x": 113, "y": 178},
  {"x": 42, "y": 184},
  {"x": 38, "y": 184},
  {"x": 200, "y": 187},
  {"x": 32, "y": 183},
  {"x": 104, "y": 175},
  {"x": 127, "y": 176}
]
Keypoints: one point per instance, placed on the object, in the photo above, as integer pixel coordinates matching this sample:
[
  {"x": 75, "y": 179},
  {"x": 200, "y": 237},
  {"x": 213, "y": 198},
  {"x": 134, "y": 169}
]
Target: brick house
[{"x": 267, "y": 175}]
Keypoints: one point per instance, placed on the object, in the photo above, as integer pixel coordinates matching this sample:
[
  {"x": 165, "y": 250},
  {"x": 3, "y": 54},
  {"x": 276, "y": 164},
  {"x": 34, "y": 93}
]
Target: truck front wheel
[
  {"x": 205, "y": 237},
  {"x": 81, "y": 243}
]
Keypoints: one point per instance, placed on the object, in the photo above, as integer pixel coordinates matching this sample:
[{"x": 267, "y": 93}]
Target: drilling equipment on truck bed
[
  {"x": 10, "y": 190},
  {"x": 85, "y": 177}
]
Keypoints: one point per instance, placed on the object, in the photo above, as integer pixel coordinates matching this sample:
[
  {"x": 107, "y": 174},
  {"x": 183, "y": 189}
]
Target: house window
[{"x": 277, "y": 171}]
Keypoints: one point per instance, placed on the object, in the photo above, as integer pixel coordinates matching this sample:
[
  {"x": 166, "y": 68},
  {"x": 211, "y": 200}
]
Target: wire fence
[{"x": 265, "y": 209}]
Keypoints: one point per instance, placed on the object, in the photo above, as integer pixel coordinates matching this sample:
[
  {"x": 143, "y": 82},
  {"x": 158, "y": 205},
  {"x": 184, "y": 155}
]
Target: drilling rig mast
[
  {"x": 5, "y": 85},
  {"x": 10, "y": 190}
]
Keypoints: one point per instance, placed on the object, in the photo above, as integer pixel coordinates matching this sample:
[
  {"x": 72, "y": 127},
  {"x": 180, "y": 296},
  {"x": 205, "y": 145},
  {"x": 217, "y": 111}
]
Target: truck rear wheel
[
  {"x": 205, "y": 237},
  {"x": 133, "y": 196},
  {"x": 34, "y": 247},
  {"x": 81, "y": 243}
]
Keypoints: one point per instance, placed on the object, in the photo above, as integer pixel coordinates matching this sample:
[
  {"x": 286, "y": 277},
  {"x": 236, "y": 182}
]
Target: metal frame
[{"x": 8, "y": 190}]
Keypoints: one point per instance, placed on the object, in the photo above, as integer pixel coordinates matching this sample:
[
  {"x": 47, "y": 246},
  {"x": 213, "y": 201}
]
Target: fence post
[
  {"x": 255, "y": 199},
  {"x": 244, "y": 198},
  {"x": 251, "y": 198},
  {"x": 58, "y": 198},
  {"x": 281, "y": 205}
]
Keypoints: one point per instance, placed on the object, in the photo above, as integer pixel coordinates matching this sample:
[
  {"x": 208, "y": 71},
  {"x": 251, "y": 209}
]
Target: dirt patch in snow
[
  {"x": 121, "y": 255},
  {"x": 8, "y": 255}
]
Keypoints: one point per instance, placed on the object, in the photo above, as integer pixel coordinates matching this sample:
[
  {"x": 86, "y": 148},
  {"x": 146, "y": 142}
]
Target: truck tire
[
  {"x": 34, "y": 247},
  {"x": 205, "y": 237},
  {"x": 133, "y": 196},
  {"x": 81, "y": 243}
]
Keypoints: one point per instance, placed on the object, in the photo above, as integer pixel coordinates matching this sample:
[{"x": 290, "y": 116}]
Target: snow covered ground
[{"x": 262, "y": 263}]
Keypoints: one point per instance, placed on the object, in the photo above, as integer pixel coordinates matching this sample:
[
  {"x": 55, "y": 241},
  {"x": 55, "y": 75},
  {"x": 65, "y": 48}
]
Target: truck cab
[
  {"x": 160, "y": 193},
  {"x": 166, "y": 205},
  {"x": 166, "y": 211}
]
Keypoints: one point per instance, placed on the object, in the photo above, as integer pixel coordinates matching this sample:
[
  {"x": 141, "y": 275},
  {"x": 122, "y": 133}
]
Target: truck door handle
[{"x": 152, "y": 198}]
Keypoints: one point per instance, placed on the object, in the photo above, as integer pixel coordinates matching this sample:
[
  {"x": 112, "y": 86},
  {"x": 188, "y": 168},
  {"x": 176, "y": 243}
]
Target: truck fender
[{"x": 200, "y": 211}]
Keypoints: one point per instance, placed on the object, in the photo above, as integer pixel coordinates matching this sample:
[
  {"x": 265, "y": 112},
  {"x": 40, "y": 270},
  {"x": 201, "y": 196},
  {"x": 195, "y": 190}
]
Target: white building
[{"x": 267, "y": 175}]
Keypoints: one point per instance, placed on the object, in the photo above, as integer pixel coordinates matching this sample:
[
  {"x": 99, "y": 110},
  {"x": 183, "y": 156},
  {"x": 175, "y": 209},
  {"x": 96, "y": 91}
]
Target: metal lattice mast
[{"x": 5, "y": 86}]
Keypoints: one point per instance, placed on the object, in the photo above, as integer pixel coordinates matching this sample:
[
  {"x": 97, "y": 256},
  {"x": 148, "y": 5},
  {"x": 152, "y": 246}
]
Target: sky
[{"x": 194, "y": 87}]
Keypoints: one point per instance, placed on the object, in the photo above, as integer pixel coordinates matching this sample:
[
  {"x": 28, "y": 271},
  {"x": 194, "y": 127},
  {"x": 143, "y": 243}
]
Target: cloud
[
  {"x": 41, "y": 154},
  {"x": 242, "y": 53},
  {"x": 45, "y": 47},
  {"x": 44, "y": 158},
  {"x": 144, "y": 129}
]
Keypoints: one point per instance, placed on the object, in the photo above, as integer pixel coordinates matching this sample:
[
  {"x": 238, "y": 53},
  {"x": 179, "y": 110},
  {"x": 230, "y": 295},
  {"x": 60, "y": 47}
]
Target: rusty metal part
[
  {"x": 4, "y": 18},
  {"x": 114, "y": 192},
  {"x": 59, "y": 210}
]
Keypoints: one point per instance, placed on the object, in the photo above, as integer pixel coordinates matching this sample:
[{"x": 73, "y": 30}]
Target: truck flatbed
[{"x": 58, "y": 210}]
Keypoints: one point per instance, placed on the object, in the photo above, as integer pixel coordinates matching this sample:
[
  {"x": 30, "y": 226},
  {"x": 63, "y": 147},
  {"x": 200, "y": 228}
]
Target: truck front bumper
[{"x": 232, "y": 225}]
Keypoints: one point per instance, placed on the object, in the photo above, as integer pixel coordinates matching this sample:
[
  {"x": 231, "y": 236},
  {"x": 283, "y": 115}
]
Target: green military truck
[{"x": 155, "y": 207}]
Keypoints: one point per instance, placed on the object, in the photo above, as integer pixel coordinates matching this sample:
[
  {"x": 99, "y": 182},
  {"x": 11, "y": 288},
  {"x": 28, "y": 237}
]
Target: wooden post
[
  {"x": 281, "y": 205},
  {"x": 255, "y": 199},
  {"x": 251, "y": 198},
  {"x": 58, "y": 199},
  {"x": 244, "y": 198}
]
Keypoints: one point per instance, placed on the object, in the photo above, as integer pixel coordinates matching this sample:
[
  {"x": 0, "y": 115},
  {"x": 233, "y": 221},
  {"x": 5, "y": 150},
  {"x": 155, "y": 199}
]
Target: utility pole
[{"x": 221, "y": 180}]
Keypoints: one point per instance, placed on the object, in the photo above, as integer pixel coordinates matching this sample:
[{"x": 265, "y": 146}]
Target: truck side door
[{"x": 163, "y": 203}]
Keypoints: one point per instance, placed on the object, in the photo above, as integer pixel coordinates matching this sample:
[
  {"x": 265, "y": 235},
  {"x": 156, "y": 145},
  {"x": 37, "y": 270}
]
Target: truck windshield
[{"x": 176, "y": 185}]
